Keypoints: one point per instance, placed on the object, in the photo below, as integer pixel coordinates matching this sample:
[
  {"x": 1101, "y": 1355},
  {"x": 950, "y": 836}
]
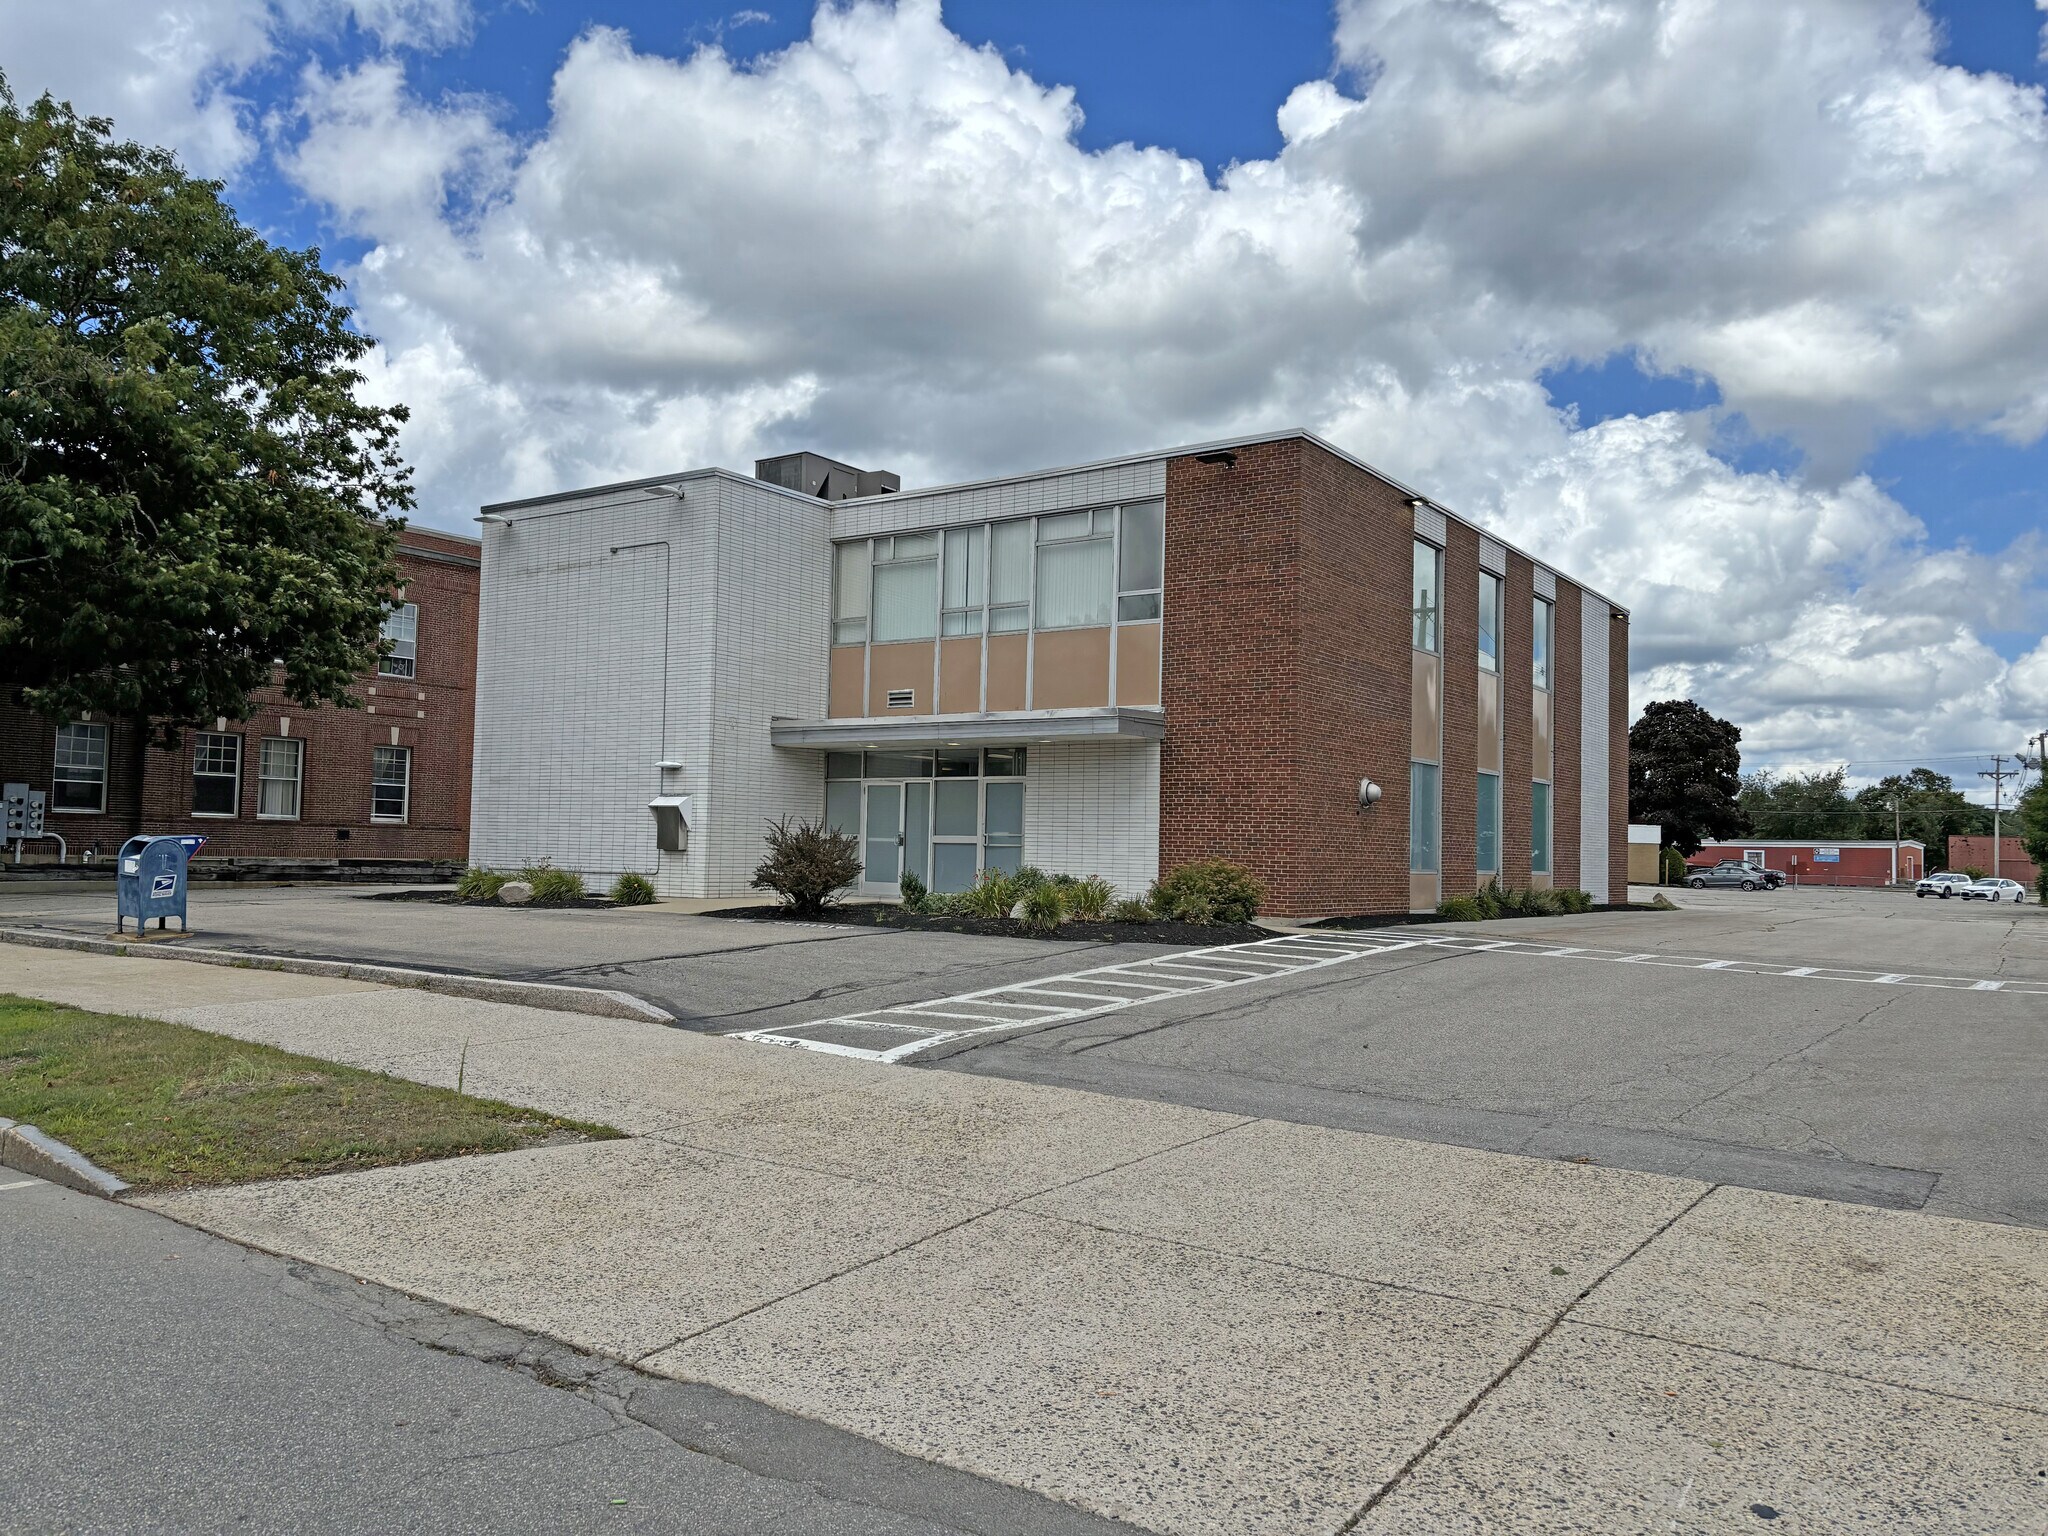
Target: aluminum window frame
[
  {"x": 65, "y": 767},
  {"x": 1426, "y": 624},
  {"x": 208, "y": 740}
]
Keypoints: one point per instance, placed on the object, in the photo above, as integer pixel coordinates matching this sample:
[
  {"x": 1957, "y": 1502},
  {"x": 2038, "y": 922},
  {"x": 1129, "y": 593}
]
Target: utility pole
[{"x": 1997, "y": 775}]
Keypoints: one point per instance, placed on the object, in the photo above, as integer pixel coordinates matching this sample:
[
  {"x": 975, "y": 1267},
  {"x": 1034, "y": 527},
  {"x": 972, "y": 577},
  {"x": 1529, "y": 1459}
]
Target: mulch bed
[
  {"x": 1073, "y": 930},
  {"x": 1415, "y": 919},
  {"x": 450, "y": 899}
]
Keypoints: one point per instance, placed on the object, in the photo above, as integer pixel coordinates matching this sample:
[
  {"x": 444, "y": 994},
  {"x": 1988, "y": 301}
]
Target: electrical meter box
[{"x": 149, "y": 880}]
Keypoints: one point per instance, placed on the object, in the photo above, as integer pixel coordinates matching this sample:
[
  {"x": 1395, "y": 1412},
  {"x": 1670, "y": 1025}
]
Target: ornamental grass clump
[
  {"x": 552, "y": 887},
  {"x": 1089, "y": 899},
  {"x": 480, "y": 884},
  {"x": 808, "y": 865},
  {"x": 1043, "y": 908},
  {"x": 631, "y": 890}
]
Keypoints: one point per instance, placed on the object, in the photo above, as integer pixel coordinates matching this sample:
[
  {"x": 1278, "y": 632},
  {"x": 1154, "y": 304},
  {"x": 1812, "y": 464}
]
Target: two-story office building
[{"x": 1110, "y": 669}]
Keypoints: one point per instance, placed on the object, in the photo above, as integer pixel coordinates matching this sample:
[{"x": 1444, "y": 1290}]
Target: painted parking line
[
  {"x": 874, "y": 1035},
  {"x": 904, "y": 1030},
  {"x": 20, "y": 1184}
]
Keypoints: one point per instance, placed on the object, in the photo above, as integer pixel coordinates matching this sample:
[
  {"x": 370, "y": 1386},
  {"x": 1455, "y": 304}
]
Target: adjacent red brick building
[
  {"x": 1975, "y": 853},
  {"x": 1816, "y": 863},
  {"x": 385, "y": 784}
]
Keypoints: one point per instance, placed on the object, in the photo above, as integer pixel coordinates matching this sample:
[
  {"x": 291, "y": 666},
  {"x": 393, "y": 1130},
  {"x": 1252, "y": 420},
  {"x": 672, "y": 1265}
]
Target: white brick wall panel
[
  {"x": 1092, "y": 808},
  {"x": 1594, "y": 788}
]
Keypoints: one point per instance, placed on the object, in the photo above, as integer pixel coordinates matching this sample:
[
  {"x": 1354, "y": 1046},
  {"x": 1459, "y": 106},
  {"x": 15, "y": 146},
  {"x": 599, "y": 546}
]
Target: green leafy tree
[
  {"x": 1809, "y": 806},
  {"x": 1931, "y": 809},
  {"x": 1684, "y": 767},
  {"x": 2030, "y": 823},
  {"x": 191, "y": 493}
]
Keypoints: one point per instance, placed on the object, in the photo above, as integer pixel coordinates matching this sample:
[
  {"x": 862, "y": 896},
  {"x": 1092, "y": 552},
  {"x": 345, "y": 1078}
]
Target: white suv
[{"x": 1944, "y": 885}]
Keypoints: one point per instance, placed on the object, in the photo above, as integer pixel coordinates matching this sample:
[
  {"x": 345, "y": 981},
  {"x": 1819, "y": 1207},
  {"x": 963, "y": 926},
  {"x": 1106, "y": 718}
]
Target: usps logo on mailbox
[{"x": 163, "y": 885}]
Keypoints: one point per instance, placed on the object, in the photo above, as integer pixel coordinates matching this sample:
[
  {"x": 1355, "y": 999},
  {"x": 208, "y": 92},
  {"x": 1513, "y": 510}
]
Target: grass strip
[{"x": 166, "y": 1106}]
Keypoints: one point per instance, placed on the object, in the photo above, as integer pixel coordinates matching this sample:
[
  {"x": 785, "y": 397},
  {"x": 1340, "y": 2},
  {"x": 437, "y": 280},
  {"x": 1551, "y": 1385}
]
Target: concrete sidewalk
[{"x": 1194, "y": 1321}]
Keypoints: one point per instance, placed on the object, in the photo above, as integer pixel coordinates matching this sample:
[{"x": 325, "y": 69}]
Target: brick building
[
  {"x": 1109, "y": 669},
  {"x": 1974, "y": 852},
  {"x": 1869, "y": 863},
  {"x": 385, "y": 784}
]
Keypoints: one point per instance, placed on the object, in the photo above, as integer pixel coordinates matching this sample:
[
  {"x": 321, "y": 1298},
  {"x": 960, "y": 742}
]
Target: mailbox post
[{"x": 150, "y": 880}]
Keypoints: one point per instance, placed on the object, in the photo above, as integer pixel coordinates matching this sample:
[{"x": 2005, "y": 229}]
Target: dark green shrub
[
  {"x": 1030, "y": 877},
  {"x": 631, "y": 890},
  {"x": 1572, "y": 899},
  {"x": 1042, "y": 908},
  {"x": 1089, "y": 899},
  {"x": 2041, "y": 886},
  {"x": 1974, "y": 872},
  {"x": 1224, "y": 891},
  {"x": 480, "y": 884},
  {"x": 1674, "y": 867},
  {"x": 991, "y": 896},
  {"x": 1130, "y": 910},
  {"x": 808, "y": 864},
  {"x": 552, "y": 887},
  {"x": 917, "y": 896},
  {"x": 1461, "y": 909}
]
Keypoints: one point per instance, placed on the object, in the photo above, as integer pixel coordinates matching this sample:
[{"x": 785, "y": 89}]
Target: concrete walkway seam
[
  {"x": 600, "y": 1002},
  {"x": 28, "y": 1150}
]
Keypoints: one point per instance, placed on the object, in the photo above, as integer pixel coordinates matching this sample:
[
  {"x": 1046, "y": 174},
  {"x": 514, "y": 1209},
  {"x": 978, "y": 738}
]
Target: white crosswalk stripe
[{"x": 902, "y": 1030}]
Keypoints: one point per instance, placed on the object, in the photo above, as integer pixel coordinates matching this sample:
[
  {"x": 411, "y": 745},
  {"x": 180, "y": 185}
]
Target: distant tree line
[{"x": 1685, "y": 775}]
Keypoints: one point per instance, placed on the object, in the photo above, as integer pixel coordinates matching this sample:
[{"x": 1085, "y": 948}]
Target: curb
[
  {"x": 597, "y": 1001},
  {"x": 27, "y": 1150}
]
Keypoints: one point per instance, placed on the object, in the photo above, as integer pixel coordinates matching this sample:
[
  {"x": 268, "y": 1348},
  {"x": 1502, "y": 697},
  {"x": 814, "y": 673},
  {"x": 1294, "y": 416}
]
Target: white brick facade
[
  {"x": 1093, "y": 809},
  {"x": 1594, "y": 622}
]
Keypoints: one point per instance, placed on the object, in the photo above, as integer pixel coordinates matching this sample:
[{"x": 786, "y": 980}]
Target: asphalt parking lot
[{"x": 1891, "y": 1092}]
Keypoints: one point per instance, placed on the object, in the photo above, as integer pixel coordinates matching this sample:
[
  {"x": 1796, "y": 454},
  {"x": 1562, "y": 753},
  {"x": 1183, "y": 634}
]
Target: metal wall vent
[{"x": 903, "y": 698}]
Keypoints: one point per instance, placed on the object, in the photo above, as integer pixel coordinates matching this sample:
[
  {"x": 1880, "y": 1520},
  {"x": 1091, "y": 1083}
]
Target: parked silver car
[
  {"x": 1994, "y": 890},
  {"x": 1944, "y": 885},
  {"x": 1726, "y": 874}
]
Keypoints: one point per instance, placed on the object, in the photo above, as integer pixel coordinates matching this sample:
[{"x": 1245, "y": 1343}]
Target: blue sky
[{"x": 1645, "y": 288}]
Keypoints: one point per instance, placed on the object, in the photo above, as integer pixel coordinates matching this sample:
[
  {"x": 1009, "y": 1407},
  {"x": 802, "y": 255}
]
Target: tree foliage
[
  {"x": 1930, "y": 809},
  {"x": 2030, "y": 823},
  {"x": 1684, "y": 768},
  {"x": 1815, "y": 807},
  {"x": 190, "y": 491}
]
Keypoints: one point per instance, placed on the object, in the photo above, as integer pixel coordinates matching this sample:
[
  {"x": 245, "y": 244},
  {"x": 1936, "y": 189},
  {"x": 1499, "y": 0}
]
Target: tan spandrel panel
[
  {"x": 848, "y": 689},
  {"x": 1489, "y": 722},
  {"x": 1071, "y": 669},
  {"x": 1137, "y": 665},
  {"x": 1008, "y": 657},
  {"x": 1427, "y": 708},
  {"x": 1423, "y": 891},
  {"x": 959, "y": 677},
  {"x": 907, "y": 664},
  {"x": 1542, "y": 745},
  {"x": 1539, "y": 879}
]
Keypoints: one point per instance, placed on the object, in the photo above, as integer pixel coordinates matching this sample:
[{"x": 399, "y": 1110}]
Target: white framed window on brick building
[
  {"x": 78, "y": 778},
  {"x": 390, "y": 783},
  {"x": 216, "y": 773},
  {"x": 1539, "y": 642},
  {"x": 1428, "y": 604},
  {"x": 280, "y": 778},
  {"x": 401, "y": 642},
  {"x": 1489, "y": 621}
]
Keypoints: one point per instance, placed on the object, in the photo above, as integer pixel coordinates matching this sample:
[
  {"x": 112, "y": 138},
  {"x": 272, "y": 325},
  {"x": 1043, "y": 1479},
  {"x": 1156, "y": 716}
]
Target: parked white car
[
  {"x": 1994, "y": 890},
  {"x": 1944, "y": 885}
]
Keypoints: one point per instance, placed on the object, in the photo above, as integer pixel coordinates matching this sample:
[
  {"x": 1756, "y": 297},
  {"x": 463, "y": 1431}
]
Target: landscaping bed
[
  {"x": 165, "y": 1106},
  {"x": 451, "y": 899},
  {"x": 878, "y": 915},
  {"x": 1415, "y": 919}
]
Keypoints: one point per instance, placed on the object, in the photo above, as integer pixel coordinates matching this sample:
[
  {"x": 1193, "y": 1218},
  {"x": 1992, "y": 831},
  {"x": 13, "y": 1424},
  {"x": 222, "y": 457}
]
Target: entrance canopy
[{"x": 877, "y": 732}]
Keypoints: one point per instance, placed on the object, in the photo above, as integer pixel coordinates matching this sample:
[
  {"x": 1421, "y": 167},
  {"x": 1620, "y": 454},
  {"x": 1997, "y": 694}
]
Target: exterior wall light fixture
[{"x": 1368, "y": 795}]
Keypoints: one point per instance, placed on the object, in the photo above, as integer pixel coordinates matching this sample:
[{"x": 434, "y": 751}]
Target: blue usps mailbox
[{"x": 150, "y": 880}]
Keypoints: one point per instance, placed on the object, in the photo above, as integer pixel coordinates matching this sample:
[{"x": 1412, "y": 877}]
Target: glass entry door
[{"x": 882, "y": 840}]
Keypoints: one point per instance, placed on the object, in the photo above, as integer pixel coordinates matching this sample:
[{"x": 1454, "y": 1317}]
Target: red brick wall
[
  {"x": 1975, "y": 852},
  {"x": 28, "y": 749},
  {"x": 1567, "y": 731},
  {"x": 1461, "y": 710},
  {"x": 1517, "y": 705},
  {"x": 434, "y": 713}
]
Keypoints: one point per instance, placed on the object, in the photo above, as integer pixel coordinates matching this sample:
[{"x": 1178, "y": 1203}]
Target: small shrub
[
  {"x": 1089, "y": 899},
  {"x": 991, "y": 896},
  {"x": 1673, "y": 867},
  {"x": 1227, "y": 892},
  {"x": 1042, "y": 908},
  {"x": 808, "y": 864},
  {"x": 552, "y": 887},
  {"x": 1461, "y": 909},
  {"x": 1029, "y": 878},
  {"x": 917, "y": 896},
  {"x": 2041, "y": 886},
  {"x": 1573, "y": 900},
  {"x": 631, "y": 890},
  {"x": 480, "y": 884},
  {"x": 1130, "y": 910},
  {"x": 1976, "y": 873}
]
